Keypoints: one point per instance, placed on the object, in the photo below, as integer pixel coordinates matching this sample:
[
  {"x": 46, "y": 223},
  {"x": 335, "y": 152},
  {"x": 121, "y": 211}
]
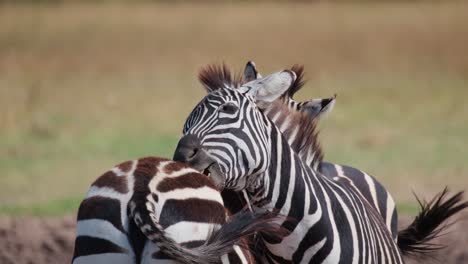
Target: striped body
[
  {"x": 335, "y": 223},
  {"x": 369, "y": 187},
  {"x": 183, "y": 204},
  {"x": 308, "y": 148},
  {"x": 330, "y": 222}
]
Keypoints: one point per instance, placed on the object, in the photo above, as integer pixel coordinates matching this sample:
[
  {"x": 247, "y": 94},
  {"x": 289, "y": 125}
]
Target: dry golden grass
[{"x": 85, "y": 86}]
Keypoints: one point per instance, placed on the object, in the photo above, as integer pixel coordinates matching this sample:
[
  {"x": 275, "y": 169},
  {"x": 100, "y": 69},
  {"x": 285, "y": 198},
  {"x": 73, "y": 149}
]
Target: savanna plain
[{"x": 86, "y": 86}]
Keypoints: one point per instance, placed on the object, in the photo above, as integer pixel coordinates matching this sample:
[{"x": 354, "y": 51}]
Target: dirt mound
[
  {"x": 50, "y": 240},
  {"x": 36, "y": 240}
]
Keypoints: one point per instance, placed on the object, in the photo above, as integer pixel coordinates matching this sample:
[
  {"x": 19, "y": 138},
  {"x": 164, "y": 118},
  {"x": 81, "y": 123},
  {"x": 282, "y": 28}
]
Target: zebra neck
[
  {"x": 287, "y": 181},
  {"x": 306, "y": 146}
]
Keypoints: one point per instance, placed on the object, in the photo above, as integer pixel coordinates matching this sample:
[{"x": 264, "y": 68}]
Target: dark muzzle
[{"x": 190, "y": 151}]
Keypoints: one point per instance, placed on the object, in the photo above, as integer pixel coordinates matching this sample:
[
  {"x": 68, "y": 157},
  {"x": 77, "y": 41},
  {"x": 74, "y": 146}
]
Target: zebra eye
[{"x": 228, "y": 108}]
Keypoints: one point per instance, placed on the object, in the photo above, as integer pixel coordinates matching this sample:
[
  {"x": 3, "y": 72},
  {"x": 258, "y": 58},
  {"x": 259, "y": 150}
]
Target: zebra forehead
[{"x": 227, "y": 95}]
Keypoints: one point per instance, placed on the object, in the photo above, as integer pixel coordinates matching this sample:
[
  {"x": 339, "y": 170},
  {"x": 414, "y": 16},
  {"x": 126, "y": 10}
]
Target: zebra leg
[{"x": 100, "y": 233}]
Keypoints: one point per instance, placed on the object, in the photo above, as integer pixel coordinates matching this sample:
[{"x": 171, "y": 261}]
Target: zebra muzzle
[{"x": 190, "y": 151}]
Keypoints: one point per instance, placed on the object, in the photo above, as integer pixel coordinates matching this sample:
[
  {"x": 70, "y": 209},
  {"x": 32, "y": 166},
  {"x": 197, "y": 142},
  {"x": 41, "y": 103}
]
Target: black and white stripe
[
  {"x": 331, "y": 221},
  {"x": 155, "y": 210}
]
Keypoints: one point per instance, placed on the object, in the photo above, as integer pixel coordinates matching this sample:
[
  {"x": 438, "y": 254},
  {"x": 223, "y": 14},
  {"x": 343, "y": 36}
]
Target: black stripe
[
  {"x": 234, "y": 201},
  {"x": 160, "y": 255},
  {"x": 360, "y": 182},
  {"x": 193, "y": 244},
  {"x": 327, "y": 169},
  {"x": 86, "y": 245},
  {"x": 343, "y": 225},
  {"x": 98, "y": 207},
  {"x": 381, "y": 195},
  {"x": 285, "y": 174},
  {"x": 394, "y": 224},
  {"x": 137, "y": 238},
  {"x": 296, "y": 211},
  {"x": 192, "y": 209},
  {"x": 273, "y": 165}
]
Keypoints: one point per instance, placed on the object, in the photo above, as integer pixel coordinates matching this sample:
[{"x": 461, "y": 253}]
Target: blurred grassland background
[{"x": 86, "y": 86}]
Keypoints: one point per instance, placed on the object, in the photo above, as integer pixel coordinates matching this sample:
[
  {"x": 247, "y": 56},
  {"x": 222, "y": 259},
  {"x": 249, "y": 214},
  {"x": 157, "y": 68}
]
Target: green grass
[
  {"x": 408, "y": 208},
  {"x": 56, "y": 168},
  {"x": 84, "y": 87},
  {"x": 50, "y": 208}
]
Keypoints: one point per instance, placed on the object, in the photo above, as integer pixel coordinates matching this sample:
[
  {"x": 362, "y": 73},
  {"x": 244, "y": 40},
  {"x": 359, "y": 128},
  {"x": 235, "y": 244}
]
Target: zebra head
[
  {"x": 226, "y": 135},
  {"x": 314, "y": 108}
]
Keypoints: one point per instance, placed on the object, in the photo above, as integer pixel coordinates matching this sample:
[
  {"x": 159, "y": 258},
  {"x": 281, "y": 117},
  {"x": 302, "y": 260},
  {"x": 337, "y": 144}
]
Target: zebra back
[{"x": 176, "y": 208}]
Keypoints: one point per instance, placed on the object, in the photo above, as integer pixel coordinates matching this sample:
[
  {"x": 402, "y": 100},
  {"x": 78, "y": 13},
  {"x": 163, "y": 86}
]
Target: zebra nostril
[{"x": 193, "y": 154}]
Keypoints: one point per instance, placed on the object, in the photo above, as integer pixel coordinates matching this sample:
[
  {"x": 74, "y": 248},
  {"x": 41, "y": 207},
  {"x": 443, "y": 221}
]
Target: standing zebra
[
  {"x": 228, "y": 134},
  {"x": 310, "y": 150},
  {"x": 155, "y": 210}
]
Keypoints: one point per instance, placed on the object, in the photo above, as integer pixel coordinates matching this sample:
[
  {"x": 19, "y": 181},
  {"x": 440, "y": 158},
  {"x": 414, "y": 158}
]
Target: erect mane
[
  {"x": 301, "y": 127},
  {"x": 214, "y": 77},
  {"x": 299, "y": 82}
]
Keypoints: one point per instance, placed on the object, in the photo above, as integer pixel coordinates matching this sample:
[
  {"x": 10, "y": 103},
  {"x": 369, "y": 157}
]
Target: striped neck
[
  {"x": 286, "y": 174},
  {"x": 298, "y": 129}
]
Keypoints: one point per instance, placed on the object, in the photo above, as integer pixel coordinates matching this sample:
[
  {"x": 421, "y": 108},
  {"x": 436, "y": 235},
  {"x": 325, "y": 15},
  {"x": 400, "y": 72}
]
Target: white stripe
[
  {"x": 285, "y": 124},
  {"x": 352, "y": 224},
  {"x": 277, "y": 183},
  {"x": 335, "y": 252},
  {"x": 102, "y": 229},
  {"x": 292, "y": 136},
  {"x": 390, "y": 209},
  {"x": 370, "y": 182},
  {"x": 186, "y": 231},
  {"x": 240, "y": 254},
  {"x": 204, "y": 192},
  {"x": 224, "y": 259},
  {"x": 276, "y": 116},
  {"x": 311, "y": 251}
]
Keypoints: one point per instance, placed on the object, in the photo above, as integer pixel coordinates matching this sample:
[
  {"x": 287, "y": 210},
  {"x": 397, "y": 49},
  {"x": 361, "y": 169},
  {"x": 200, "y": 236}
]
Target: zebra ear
[
  {"x": 250, "y": 72},
  {"x": 270, "y": 87},
  {"x": 318, "y": 108}
]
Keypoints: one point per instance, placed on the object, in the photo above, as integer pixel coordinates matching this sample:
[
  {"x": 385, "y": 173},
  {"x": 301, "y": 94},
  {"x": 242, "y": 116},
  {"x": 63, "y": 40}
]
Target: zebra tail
[
  {"x": 428, "y": 224},
  {"x": 220, "y": 242}
]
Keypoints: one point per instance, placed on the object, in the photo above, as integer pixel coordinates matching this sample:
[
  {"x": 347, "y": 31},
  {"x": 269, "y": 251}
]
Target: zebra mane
[
  {"x": 301, "y": 129},
  {"x": 299, "y": 82},
  {"x": 214, "y": 77}
]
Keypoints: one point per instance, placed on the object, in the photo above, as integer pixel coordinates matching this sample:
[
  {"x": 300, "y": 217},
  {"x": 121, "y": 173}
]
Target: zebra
[
  {"x": 154, "y": 210},
  {"x": 308, "y": 147},
  {"x": 310, "y": 150},
  {"x": 227, "y": 134}
]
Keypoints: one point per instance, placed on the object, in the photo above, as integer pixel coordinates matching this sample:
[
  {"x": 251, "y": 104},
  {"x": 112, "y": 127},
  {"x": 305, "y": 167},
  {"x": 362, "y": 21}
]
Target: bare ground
[{"x": 50, "y": 240}]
